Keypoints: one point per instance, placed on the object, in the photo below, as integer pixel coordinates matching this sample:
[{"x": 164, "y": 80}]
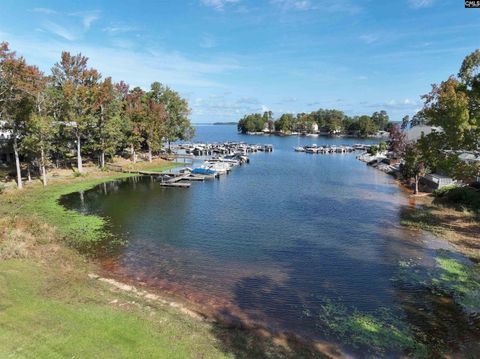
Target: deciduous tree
[
  {"x": 76, "y": 83},
  {"x": 19, "y": 84}
]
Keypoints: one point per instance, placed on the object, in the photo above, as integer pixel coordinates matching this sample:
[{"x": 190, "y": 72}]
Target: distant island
[
  {"x": 323, "y": 122},
  {"x": 224, "y": 123}
]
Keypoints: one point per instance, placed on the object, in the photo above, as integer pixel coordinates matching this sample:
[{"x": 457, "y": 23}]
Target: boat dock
[
  {"x": 324, "y": 149},
  {"x": 226, "y": 148},
  {"x": 221, "y": 159}
]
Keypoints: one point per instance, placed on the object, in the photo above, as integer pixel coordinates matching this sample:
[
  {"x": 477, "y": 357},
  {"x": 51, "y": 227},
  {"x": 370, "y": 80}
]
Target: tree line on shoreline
[
  {"x": 329, "y": 121},
  {"x": 74, "y": 111},
  {"x": 453, "y": 149}
]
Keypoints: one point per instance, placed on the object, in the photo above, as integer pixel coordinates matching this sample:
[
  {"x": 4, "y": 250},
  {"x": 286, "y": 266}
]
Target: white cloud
[
  {"x": 218, "y": 4},
  {"x": 59, "y": 30},
  {"x": 293, "y": 4},
  {"x": 217, "y": 106},
  {"x": 138, "y": 68},
  {"x": 120, "y": 29},
  {"x": 417, "y": 4},
  {"x": 44, "y": 10},
  {"x": 87, "y": 17},
  {"x": 345, "y": 6},
  {"x": 406, "y": 103}
]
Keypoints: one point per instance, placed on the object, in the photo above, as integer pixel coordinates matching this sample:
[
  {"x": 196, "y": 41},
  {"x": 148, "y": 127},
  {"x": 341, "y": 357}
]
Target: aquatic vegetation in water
[
  {"x": 379, "y": 332},
  {"x": 450, "y": 276},
  {"x": 461, "y": 280}
]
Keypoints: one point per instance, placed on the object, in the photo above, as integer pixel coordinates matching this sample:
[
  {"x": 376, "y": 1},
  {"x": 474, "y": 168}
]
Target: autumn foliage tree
[
  {"x": 454, "y": 106},
  {"x": 76, "y": 83},
  {"x": 74, "y": 106},
  {"x": 19, "y": 86}
]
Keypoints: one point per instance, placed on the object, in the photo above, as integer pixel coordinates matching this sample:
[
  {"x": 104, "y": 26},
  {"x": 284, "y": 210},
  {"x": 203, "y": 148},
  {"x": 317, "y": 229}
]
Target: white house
[
  {"x": 5, "y": 149},
  {"x": 414, "y": 133},
  {"x": 266, "y": 128},
  {"x": 4, "y": 133},
  {"x": 314, "y": 127}
]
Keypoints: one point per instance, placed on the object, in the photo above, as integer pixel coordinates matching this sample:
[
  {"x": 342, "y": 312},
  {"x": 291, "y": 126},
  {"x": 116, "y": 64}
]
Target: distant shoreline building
[
  {"x": 6, "y": 153},
  {"x": 414, "y": 133}
]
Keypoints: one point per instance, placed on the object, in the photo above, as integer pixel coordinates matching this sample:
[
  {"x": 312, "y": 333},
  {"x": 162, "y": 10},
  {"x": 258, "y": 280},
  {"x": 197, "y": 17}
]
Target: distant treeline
[
  {"x": 73, "y": 112},
  {"x": 323, "y": 120},
  {"x": 224, "y": 123}
]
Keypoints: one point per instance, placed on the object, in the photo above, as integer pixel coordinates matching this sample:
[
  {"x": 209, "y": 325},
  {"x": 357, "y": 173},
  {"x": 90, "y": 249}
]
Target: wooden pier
[{"x": 176, "y": 184}]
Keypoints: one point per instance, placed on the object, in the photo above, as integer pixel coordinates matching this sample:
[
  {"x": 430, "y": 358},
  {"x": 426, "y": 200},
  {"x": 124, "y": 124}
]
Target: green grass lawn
[
  {"x": 155, "y": 166},
  {"x": 43, "y": 316}
]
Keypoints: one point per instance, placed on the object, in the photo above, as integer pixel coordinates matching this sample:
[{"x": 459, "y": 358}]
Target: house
[
  {"x": 434, "y": 181},
  {"x": 414, "y": 133},
  {"x": 266, "y": 128},
  {"x": 4, "y": 133},
  {"x": 314, "y": 127},
  {"x": 5, "y": 148},
  {"x": 382, "y": 134}
]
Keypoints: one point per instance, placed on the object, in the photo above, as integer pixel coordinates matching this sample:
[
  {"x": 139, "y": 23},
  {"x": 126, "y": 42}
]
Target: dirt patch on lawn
[{"x": 461, "y": 228}]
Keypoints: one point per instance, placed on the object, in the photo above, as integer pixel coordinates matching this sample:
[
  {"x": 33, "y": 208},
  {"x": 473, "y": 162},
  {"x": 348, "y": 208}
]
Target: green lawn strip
[
  {"x": 154, "y": 167},
  {"x": 35, "y": 323}
]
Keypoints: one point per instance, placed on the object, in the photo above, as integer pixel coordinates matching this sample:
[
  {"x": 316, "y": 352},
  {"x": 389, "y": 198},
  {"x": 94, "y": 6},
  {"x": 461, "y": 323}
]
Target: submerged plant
[
  {"x": 450, "y": 276},
  {"x": 379, "y": 332},
  {"x": 461, "y": 280}
]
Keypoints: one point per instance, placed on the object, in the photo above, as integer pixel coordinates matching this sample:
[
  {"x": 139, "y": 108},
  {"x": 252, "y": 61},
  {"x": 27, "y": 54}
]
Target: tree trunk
[
  {"x": 149, "y": 154},
  {"x": 134, "y": 158},
  {"x": 102, "y": 159},
  {"x": 17, "y": 162},
  {"x": 29, "y": 175},
  {"x": 82, "y": 199},
  {"x": 42, "y": 166},
  {"x": 79, "y": 154},
  {"x": 416, "y": 185}
]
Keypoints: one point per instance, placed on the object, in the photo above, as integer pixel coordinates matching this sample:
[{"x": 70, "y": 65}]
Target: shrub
[
  {"x": 382, "y": 147},
  {"x": 442, "y": 191},
  {"x": 460, "y": 197}
]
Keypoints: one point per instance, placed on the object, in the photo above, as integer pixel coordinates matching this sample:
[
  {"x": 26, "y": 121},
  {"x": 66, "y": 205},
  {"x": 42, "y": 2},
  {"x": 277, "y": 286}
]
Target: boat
[
  {"x": 203, "y": 171},
  {"x": 299, "y": 149},
  {"x": 218, "y": 167}
]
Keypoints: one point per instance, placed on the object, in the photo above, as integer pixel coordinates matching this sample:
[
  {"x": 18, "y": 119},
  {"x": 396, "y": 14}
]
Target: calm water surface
[{"x": 275, "y": 240}]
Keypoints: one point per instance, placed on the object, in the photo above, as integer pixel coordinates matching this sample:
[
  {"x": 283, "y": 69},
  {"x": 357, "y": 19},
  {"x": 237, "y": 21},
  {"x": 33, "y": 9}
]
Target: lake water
[{"x": 276, "y": 242}]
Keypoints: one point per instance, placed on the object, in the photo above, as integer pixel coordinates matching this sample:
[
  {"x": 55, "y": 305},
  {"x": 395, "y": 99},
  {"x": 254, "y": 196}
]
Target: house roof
[{"x": 413, "y": 134}]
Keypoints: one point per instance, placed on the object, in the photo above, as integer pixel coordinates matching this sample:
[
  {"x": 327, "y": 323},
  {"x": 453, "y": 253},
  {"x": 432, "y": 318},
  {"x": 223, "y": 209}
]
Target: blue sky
[{"x": 232, "y": 57}]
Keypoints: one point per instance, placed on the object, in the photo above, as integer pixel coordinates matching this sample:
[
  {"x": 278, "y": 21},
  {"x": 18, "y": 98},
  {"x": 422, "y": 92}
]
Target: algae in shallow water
[
  {"x": 379, "y": 332},
  {"x": 450, "y": 276}
]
